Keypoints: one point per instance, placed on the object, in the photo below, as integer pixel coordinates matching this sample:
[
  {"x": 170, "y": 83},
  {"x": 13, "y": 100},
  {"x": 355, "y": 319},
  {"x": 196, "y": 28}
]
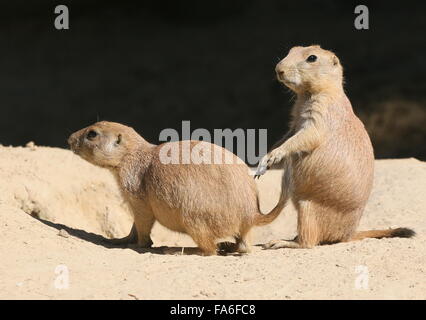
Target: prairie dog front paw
[{"x": 275, "y": 156}]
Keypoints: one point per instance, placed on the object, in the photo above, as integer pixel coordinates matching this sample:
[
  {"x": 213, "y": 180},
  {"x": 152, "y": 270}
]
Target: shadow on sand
[{"x": 115, "y": 243}]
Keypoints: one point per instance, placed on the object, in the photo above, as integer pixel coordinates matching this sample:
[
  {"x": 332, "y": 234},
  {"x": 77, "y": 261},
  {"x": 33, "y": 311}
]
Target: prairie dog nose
[
  {"x": 72, "y": 141},
  {"x": 279, "y": 71}
]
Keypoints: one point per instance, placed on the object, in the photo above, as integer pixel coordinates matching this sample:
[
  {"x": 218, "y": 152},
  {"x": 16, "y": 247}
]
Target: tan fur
[
  {"x": 327, "y": 154},
  {"x": 206, "y": 201}
]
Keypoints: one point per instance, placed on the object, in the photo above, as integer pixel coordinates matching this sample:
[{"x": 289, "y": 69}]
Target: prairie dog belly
[{"x": 333, "y": 174}]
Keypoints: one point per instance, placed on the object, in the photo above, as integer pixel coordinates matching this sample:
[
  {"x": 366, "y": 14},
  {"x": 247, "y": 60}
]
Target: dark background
[{"x": 152, "y": 64}]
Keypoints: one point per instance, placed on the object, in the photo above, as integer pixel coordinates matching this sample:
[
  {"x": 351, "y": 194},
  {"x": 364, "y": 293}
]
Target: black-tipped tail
[
  {"x": 403, "y": 233},
  {"x": 380, "y": 234}
]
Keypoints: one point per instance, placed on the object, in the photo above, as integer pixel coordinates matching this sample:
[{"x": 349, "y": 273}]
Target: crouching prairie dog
[
  {"x": 208, "y": 200},
  {"x": 327, "y": 155}
]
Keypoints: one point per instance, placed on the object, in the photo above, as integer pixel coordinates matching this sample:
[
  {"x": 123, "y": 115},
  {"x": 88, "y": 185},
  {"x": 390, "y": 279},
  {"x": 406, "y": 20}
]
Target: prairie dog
[
  {"x": 208, "y": 201},
  {"x": 327, "y": 154}
]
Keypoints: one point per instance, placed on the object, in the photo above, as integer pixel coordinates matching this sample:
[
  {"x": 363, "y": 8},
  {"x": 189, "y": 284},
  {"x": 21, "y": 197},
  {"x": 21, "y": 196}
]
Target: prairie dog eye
[
  {"x": 91, "y": 135},
  {"x": 311, "y": 58}
]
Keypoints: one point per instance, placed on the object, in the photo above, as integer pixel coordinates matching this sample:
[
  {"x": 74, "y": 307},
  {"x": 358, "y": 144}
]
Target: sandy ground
[{"x": 65, "y": 192}]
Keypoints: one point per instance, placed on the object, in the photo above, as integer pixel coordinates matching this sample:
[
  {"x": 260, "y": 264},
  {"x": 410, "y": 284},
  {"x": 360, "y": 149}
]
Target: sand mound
[
  {"x": 55, "y": 185},
  {"x": 65, "y": 192}
]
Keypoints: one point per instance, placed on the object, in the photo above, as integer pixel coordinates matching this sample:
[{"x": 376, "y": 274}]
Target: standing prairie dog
[
  {"x": 327, "y": 154},
  {"x": 208, "y": 200}
]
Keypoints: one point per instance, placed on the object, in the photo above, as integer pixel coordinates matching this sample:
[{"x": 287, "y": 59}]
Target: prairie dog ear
[{"x": 335, "y": 60}]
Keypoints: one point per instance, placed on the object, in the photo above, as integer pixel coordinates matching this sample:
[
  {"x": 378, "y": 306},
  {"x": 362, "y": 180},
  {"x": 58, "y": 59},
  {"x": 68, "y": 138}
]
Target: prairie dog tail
[
  {"x": 263, "y": 219},
  {"x": 379, "y": 234}
]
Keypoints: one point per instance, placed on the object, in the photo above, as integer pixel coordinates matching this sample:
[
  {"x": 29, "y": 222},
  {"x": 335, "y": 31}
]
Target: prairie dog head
[
  {"x": 105, "y": 143},
  {"x": 310, "y": 69}
]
